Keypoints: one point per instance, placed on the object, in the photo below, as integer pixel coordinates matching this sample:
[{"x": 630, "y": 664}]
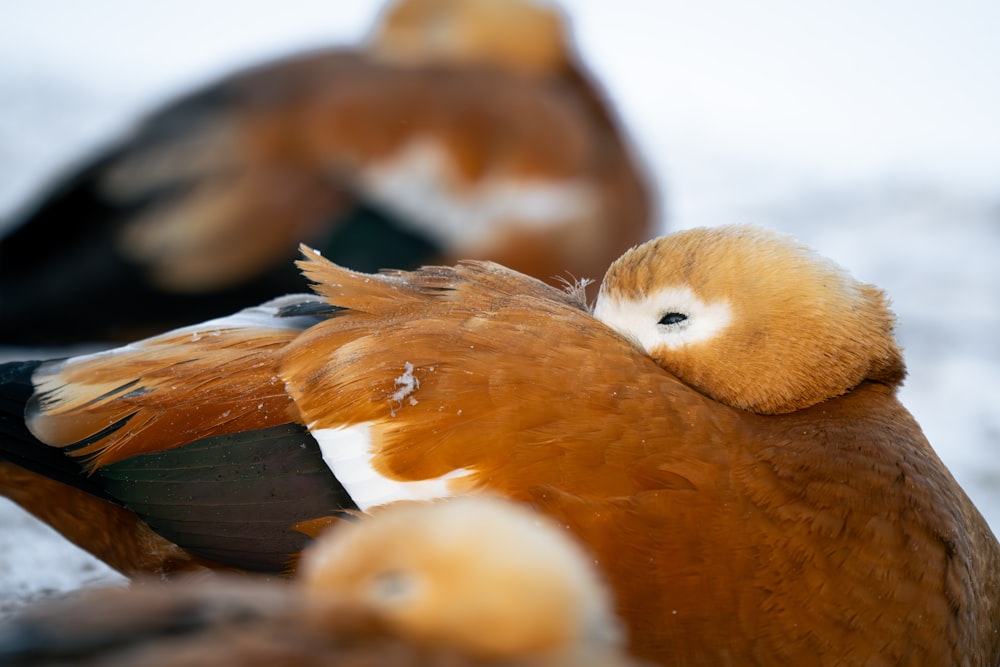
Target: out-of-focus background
[{"x": 871, "y": 131}]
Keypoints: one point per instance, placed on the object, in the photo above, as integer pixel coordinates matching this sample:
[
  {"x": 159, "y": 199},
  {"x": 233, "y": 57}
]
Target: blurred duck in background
[
  {"x": 461, "y": 129},
  {"x": 470, "y": 581}
]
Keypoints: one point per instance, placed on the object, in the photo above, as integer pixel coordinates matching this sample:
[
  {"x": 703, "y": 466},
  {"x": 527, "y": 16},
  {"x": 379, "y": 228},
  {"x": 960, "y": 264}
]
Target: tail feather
[{"x": 17, "y": 444}]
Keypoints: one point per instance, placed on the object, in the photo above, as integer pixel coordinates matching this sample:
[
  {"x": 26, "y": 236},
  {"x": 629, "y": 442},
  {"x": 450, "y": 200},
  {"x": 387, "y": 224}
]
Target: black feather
[
  {"x": 232, "y": 498},
  {"x": 20, "y": 447}
]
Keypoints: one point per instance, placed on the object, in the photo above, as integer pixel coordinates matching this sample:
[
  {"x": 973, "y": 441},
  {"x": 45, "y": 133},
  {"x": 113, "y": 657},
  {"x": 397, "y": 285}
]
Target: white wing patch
[
  {"x": 421, "y": 183},
  {"x": 638, "y": 319},
  {"x": 348, "y": 453}
]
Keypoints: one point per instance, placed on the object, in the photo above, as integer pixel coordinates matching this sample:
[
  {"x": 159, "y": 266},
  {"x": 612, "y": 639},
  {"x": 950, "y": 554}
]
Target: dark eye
[{"x": 672, "y": 318}]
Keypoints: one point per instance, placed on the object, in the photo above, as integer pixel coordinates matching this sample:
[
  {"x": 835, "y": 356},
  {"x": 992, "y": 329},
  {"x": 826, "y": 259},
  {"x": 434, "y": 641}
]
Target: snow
[
  {"x": 407, "y": 383},
  {"x": 868, "y": 130}
]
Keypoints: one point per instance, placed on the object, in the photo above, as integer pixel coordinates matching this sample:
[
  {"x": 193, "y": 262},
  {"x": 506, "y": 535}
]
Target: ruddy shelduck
[
  {"x": 460, "y": 129},
  {"x": 721, "y": 430},
  {"x": 466, "y": 581}
]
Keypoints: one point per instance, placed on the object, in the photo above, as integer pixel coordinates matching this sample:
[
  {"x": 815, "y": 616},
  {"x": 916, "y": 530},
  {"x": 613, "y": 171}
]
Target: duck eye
[
  {"x": 393, "y": 586},
  {"x": 672, "y": 318}
]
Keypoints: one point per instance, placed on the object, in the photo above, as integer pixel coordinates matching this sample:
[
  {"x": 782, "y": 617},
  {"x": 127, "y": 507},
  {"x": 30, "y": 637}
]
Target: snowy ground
[{"x": 868, "y": 130}]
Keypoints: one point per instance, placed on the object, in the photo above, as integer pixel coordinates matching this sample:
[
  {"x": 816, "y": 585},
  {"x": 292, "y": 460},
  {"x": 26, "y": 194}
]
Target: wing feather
[{"x": 209, "y": 379}]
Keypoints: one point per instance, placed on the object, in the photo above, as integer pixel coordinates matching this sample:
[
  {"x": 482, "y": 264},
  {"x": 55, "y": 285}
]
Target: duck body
[{"x": 818, "y": 527}]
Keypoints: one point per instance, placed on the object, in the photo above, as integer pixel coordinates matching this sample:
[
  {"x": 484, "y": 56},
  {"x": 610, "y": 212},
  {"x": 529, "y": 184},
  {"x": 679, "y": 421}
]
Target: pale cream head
[
  {"x": 479, "y": 573},
  {"x": 516, "y": 35},
  {"x": 751, "y": 317}
]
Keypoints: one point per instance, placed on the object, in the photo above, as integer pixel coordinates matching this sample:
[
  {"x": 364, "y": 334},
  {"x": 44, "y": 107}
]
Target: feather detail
[{"x": 215, "y": 378}]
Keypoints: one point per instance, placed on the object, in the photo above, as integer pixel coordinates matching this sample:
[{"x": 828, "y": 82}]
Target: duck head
[
  {"x": 751, "y": 318},
  {"x": 514, "y": 35},
  {"x": 477, "y": 573}
]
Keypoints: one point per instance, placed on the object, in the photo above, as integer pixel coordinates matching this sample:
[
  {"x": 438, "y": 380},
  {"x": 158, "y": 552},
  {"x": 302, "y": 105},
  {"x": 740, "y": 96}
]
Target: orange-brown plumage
[
  {"x": 724, "y": 436},
  {"x": 460, "y": 129},
  {"x": 471, "y": 581},
  {"x": 247, "y": 394}
]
